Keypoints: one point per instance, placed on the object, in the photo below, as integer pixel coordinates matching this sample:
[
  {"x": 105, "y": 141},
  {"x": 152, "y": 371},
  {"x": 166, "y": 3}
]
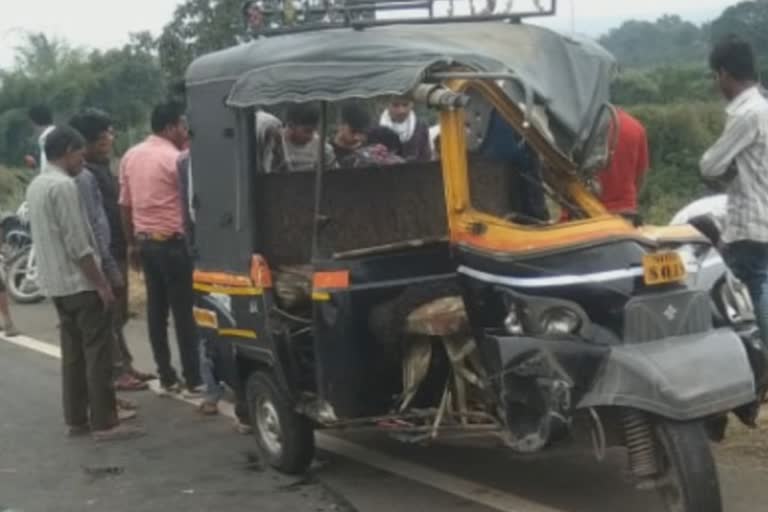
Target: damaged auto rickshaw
[{"x": 417, "y": 300}]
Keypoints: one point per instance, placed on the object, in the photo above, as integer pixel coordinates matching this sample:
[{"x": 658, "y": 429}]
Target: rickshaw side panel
[
  {"x": 220, "y": 173},
  {"x": 363, "y": 208}
]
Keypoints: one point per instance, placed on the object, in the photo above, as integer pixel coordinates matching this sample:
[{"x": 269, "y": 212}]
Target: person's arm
[
  {"x": 739, "y": 133},
  {"x": 93, "y": 203},
  {"x": 71, "y": 222},
  {"x": 126, "y": 216}
]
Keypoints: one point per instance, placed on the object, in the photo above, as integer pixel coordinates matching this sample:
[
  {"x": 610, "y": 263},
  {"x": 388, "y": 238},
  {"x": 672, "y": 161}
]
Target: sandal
[
  {"x": 208, "y": 409},
  {"x": 143, "y": 377},
  {"x": 127, "y": 382},
  {"x": 126, "y": 405}
]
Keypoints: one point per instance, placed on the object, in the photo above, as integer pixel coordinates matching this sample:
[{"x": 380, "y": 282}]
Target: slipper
[
  {"x": 144, "y": 377},
  {"x": 127, "y": 382}
]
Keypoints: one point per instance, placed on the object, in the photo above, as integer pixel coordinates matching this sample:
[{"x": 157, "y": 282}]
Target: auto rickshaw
[{"x": 416, "y": 300}]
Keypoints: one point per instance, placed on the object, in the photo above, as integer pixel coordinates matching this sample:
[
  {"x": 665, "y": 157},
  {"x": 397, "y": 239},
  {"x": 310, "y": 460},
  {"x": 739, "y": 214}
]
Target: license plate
[{"x": 663, "y": 268}]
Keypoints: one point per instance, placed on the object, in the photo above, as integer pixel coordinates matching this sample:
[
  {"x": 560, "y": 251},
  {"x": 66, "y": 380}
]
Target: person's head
[
  {"x": 40, "y": 115},
  {"x": 354, "y": 123},
  {"x": 399, "y": 109},
  {"x": 253, "y": 14},
  {"x": 384, "y": 136},
  {"x": 96, "y": 128},
  {"x": 301, "y": 122},
  {"x": 64, "y": 148},
  {"x": 170, "y": 123},
  {"x": 733, "y": 63}
]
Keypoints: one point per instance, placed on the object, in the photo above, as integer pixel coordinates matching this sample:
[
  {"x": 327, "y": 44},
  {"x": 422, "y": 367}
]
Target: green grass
[{"x": 13, "y": 183}]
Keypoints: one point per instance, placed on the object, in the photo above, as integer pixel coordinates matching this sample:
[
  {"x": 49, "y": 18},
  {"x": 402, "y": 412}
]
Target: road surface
[{"x": 188, "y": 463}]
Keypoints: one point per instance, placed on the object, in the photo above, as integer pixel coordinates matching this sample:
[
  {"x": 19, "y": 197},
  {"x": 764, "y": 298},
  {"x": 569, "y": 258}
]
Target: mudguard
[{"x": 681, "y": 378}]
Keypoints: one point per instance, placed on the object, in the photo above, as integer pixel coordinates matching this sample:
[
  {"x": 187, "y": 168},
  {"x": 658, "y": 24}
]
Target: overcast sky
[{"x": 107, "y": 23}]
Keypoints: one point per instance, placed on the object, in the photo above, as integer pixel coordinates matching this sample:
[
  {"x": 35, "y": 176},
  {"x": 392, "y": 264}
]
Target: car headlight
[
  {"x": 560, "y": 320},
  {"x": 512, "y": 322}
]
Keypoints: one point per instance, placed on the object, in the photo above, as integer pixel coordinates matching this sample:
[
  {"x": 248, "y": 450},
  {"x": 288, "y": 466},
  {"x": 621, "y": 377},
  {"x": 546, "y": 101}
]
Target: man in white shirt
[
  {"x": 739, "y": 161},
  {"x": 42, "y": 118}
]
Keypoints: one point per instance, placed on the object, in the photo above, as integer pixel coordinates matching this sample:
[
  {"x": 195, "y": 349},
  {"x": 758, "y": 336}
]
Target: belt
[{"x": 158, "y": 237}]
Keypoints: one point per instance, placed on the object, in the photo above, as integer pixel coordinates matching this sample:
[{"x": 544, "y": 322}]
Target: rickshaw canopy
[{"x": 571, "y": 76}]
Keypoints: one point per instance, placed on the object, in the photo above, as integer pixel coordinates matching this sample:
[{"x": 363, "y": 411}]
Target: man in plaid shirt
[{"x": 739, "y": 161}]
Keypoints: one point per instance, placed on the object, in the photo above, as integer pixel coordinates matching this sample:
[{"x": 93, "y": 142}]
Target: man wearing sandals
[
  {"x": 100, "y": 190},
  {"x": 70, "y": 272}
]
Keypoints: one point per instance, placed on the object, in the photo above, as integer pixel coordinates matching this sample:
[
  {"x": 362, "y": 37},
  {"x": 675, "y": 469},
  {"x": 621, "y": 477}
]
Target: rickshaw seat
[
  {"x": 441, "y": 317},
  {"x": 293, "y": 285}
]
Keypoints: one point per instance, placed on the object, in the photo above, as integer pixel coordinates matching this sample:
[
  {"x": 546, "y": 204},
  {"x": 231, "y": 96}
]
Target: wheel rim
[{"x": 268, "y": 423}]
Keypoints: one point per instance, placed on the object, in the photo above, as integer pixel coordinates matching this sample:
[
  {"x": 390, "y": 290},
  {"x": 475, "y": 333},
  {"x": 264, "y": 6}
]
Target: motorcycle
[{"x": 19, "y": 265}]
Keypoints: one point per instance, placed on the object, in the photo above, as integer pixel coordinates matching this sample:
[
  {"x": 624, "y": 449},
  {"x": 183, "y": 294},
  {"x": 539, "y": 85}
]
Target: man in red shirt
[{"x": 623, "y": 179}]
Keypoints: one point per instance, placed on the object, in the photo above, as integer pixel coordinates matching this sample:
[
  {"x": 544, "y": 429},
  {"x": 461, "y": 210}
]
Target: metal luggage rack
[{"x": 276, "y": 17}]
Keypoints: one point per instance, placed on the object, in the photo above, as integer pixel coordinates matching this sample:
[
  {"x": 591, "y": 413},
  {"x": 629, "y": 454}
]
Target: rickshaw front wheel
[
  {"x": 689, "y": 481},
  {"x": 286, "y": 439}
]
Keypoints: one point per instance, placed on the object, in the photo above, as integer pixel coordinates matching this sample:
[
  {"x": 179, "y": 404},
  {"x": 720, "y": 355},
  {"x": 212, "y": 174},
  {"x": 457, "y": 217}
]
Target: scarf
[{"x": 403, "y": 130}]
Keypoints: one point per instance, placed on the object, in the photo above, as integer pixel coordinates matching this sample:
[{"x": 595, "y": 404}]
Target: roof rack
[{"x": 275, "y": 17}]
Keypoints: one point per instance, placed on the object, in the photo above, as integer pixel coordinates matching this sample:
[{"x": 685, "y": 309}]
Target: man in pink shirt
[{"x": 153, "y": 220}]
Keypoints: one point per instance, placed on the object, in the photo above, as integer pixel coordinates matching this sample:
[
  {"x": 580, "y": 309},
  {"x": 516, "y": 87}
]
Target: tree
[
  {"x": 125, "y": 82},
  {"x": 668, "y": 41},
  {"x": 748, "y": 20},
  {"x": 198, "y": 27}
]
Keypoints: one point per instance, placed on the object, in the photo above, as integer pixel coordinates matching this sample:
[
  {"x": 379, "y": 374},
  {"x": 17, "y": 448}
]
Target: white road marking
[{"x": 462, "y": 488}]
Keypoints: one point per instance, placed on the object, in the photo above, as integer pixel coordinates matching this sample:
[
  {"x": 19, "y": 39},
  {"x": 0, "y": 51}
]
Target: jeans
[
  {"x": 168, "y": 276},
  {"x": 749, "y": 263},
  {"x": 214, "y": 391}
]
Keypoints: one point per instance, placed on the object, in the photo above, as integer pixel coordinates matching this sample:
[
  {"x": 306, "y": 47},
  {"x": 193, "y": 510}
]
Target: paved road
[{"x": 189, "y": 463}]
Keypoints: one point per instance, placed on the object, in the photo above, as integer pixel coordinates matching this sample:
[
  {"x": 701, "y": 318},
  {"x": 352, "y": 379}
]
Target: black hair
[
  {"x": 165, "y": 115},
  {"x": 736, "y": 57},
  {"x": 62, "y": 140},
  {"x": 356, "y": 117},
  {"x": 40, "y": 115},
  {"x": 387, "y": 138},
  {"x": 302, "y": 115},
  {"x": 91, "y": 124}
]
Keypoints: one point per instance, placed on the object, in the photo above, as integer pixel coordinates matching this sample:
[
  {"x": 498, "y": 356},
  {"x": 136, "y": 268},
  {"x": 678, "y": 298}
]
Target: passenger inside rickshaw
[{"x": 369, "y": 207}]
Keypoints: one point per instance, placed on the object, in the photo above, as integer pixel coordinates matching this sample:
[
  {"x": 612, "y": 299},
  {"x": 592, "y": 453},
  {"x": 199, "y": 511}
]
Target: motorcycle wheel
[
  {"x": 21, "y": 289},
  {"x": 689, "y": 480}
]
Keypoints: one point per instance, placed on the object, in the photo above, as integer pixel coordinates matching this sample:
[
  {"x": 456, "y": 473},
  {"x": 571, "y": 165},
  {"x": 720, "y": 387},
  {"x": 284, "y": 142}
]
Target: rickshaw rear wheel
[
  {"x": 286, "y": 439},
  {"x": 689, "y": 480}
]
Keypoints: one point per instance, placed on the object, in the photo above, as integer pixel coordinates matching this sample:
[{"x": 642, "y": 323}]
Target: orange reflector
[
  {"x": 336, "y": 280},
  {"x": 221, "y": 278},
  {"x": 206, "y": 318}
]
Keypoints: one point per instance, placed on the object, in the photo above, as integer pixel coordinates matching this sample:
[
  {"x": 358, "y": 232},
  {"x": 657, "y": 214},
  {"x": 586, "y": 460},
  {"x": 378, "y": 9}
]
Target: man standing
[
  {"x": 623, "y": 179},
  {"x": 154, "y": 229},
  {"x": 42, "y": 118},
  {"x": 413, "y": 132},
  {"x": 99, "y": 190},
  {"x": 70, "y": 272},
  {"x": 739, "y": 159}
]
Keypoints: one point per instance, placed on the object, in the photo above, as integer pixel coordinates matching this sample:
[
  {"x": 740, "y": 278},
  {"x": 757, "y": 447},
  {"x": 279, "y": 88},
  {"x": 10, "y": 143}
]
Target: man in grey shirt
[
  {"x": 70, "y": 272},
  {"x": 739, "y": 160},
  {"x": 296, "y": 147}
]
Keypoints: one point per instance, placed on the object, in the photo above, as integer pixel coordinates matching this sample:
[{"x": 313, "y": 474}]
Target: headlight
[
  {"x": 560, "y": 320},
  {"x": 512, "y": 322}
]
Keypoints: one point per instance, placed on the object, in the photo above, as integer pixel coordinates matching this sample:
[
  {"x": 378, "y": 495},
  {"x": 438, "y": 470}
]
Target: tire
[
  {"x": 285, "y": 439},
  {"x": 691, "y": 483},
  {"x": 21, "y": 291}
]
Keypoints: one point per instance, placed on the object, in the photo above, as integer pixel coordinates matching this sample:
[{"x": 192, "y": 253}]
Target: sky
[{"x": 107, "y": 23}]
